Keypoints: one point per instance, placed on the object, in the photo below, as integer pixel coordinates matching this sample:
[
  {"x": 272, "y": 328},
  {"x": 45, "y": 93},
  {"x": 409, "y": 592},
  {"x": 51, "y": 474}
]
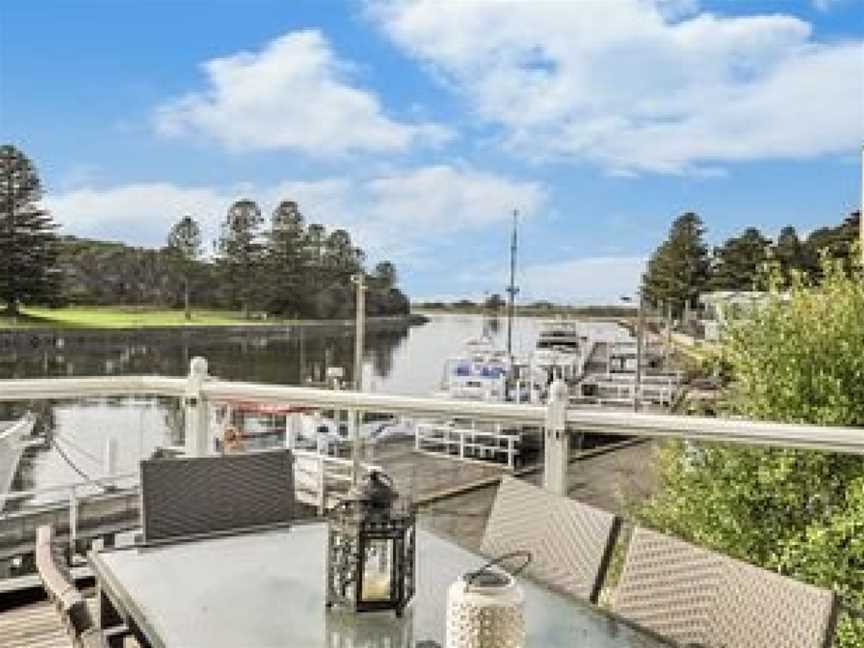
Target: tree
[
  {"x": 28, "y": 244},
  {"x": 678, "y": 269},
  {"x": 184, "y": 247},
  {"x": 287, "y": 258},
  {"x": 240, "y": 251},
  {"x": 494, "y": 303},
  {"x": 385, "y": 275},
  {"x": 837, "y": 242},
  {"x": 739, "y": 261},
  {"x": 797, "y": 512},
  {"x": 789, "y": 253}
]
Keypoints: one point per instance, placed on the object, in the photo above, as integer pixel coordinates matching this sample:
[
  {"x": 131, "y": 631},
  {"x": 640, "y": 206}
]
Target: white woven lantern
[{"x": 485, "y": 609}]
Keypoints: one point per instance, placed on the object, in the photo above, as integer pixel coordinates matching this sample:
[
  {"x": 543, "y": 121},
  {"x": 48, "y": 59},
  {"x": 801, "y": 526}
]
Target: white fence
[
  {"x": 198, "y": 389},
  {"x": 466, "y": 443}
]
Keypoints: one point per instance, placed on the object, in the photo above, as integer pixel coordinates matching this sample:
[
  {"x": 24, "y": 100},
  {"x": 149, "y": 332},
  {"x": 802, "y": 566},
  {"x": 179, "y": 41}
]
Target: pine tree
[
  {"x": 678, "y": 269},
  {"x": 738, "y": 263},
  {"x": 28, "y": 246},
  {"x": 184, "y": 246},
  {"x": 287, "y": 259},
  {"x": 240, "y": 252},
  {"x": 789, "y": 253}
]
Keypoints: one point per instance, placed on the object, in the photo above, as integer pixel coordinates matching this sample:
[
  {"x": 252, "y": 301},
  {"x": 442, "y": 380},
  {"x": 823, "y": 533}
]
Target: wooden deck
[{"x": 38, "y": 625}]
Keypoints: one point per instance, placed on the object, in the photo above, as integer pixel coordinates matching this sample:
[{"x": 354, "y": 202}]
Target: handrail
[{"x": 832, "y": 439}]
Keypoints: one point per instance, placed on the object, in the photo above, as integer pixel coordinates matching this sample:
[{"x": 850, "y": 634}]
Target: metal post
[
  {"x": 640, "y": 331},
  {"x": 73, "y": 521},
  {"x": 668, "y": 336},
  {"x": 197, "y": 412},
  {"x": 512, "y": 290},
  {"x": 359, "y": 330},
  {"x": 110, "y": 458},
  {"x": 556, "y": 448}
]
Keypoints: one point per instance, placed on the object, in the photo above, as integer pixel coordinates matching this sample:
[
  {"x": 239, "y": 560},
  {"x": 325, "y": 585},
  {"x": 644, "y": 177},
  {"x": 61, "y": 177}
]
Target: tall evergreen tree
[
  {"x": 240, "y": 252},
  {"x": 678, "y": 270},
  {"x": 287, "y": 258},
  {"x": 184, "y": 247},
  {"x": 739, "y": 261},
  {"x": 789, "y": 253},
  {"x": 836, "y": 242},
  {"x": 28, "y": 244}
]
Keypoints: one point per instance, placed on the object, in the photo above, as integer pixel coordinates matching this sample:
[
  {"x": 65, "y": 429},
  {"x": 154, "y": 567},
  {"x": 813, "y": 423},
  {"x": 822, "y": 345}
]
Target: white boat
[
  {"x": 481, "y": 372},
  {"x": 262, "y": 426},
  {"x": 559, "y": 353},
  {"x": 13, "y": 436}
]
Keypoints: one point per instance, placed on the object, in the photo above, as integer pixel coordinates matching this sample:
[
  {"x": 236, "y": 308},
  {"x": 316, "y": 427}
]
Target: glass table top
[{"x": 266, "y": 589}]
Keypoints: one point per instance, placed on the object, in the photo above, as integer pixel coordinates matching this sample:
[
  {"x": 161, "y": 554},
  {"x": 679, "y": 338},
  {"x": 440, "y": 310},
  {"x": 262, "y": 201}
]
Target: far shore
[{"x": 134, "y": 318}]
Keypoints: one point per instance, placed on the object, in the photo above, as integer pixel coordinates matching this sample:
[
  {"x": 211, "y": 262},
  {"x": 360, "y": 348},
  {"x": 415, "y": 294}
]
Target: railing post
[
  {"x": 461, "y": 434},
  {"x": 292, "y": 424},
  {"x": 322, "y": 486},
  {"x": 110, "y": 458},
  {"x": 197, "y": 412},
  {"x": 510, "y": 459},
  {"x": 556, "y": 447},
  {"x": 73, "y": 521}
]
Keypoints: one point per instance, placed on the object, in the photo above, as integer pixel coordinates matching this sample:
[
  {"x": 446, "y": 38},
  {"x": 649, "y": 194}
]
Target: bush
[{"x": 797, "y": 512}]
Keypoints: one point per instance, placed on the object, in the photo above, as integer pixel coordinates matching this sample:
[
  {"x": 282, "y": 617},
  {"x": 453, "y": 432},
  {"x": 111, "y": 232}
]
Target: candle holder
[{"x": 371, "y": 549}]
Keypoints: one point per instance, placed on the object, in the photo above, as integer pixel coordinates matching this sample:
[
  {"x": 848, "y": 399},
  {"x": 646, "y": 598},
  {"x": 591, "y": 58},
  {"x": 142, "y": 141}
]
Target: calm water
[{"x": 400, "y": 361}]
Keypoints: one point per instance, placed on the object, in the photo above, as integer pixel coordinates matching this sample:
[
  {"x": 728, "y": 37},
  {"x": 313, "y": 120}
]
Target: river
[{"x": 401, "y": 360}]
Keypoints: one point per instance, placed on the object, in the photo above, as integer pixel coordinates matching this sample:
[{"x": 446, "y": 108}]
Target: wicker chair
[
  {"x": 697, "y": 597},
  {"x": 570, "y": 542},
  {"x": 191, "y": 496},
  {"x": 61, "y": 591}
]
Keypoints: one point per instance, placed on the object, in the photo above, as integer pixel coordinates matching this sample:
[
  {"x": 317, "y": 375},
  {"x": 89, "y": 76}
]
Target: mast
[{"x": 512, "y": 289}]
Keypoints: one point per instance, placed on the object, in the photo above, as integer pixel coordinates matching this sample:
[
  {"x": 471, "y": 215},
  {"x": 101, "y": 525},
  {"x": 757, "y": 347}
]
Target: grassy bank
[
  {"x": 118, "y": 317},
  {"x": 129, "y": 317}
]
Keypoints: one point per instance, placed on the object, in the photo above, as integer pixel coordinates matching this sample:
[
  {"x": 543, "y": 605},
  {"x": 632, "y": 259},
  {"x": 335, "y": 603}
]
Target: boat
[
  {"x": 263, "y": 425},
  {"x": 13, "y": 435},
  {"x": 560, "y": 352}
]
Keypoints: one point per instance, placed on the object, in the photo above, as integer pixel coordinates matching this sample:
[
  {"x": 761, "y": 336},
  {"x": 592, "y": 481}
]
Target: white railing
[
  {"x": 197, "y": 391},
  {"x": 318, "y": 478},
  {"x": 466, "y": 443},
  {"x": 71, "y": 493}
]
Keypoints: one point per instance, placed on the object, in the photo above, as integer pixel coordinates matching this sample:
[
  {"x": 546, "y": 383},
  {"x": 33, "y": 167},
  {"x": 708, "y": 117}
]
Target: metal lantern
[{"x": 370, "y": 549}]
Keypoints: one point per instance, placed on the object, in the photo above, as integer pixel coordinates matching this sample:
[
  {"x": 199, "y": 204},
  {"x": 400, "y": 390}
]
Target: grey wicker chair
[
  {"x": 570, "y": 542},
  {"x": 191, "y": 496},
  {"x": 697, "y": 597},
  {"x": 63, "y": 594}
]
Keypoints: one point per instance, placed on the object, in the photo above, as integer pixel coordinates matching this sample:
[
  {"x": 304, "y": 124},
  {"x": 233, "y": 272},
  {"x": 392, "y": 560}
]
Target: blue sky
[{"x": 420, "y": 126}]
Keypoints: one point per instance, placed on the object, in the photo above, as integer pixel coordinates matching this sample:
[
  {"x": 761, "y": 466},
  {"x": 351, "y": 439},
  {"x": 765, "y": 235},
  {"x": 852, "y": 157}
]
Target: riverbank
[{"x": 130, "y": 318}]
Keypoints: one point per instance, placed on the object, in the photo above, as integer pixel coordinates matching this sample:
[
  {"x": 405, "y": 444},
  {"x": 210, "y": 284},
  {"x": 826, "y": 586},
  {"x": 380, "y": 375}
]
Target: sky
[{"x": 420, "y": 126}]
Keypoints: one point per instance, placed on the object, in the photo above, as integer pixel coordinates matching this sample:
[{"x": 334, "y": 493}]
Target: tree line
[
  {"x": 682, "y": 267},
  {"x": 277, "y": 266}
]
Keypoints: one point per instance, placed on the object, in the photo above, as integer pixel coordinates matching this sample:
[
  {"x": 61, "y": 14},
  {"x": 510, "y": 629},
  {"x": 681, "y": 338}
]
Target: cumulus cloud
[
  {"x": 394, "y": 215},
  {"x": 293, "y": 94},
  {"x": 635, "y": 85}
]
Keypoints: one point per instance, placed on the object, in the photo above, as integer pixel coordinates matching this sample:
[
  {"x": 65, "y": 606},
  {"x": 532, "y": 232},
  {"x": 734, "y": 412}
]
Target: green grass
[{"x": 119, "y": 317}]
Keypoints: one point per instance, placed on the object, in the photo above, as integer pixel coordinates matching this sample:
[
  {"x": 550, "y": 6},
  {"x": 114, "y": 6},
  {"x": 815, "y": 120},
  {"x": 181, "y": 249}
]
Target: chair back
[
  {"x": 695, "y": 596},
  {"x": 191, "y": 496},
  {"x": 570, "y": 542},
  {"x": 61, "y": 591}
]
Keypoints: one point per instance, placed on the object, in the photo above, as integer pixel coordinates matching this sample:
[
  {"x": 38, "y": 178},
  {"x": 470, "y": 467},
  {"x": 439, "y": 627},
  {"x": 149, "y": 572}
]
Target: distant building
[{"x": 722, "y": 306}]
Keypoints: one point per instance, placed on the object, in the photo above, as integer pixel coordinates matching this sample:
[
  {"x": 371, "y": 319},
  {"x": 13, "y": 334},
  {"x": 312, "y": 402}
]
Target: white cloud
[
  {"x": 591, "y": 280},
  {"x": 293, "y": 94},
  {"x": 635, "y": 85},
  {"x": 397, "y": 215}
]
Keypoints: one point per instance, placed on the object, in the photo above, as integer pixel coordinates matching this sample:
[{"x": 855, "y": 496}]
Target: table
[{"x": 266, "y": 589}]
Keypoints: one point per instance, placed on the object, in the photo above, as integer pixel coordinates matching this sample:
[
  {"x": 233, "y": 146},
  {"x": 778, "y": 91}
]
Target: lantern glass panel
[{"x": 378, "y": 571}]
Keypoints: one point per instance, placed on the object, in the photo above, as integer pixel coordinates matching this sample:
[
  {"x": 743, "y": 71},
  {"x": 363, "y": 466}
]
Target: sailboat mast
[{"x": 512, "y": 289}]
